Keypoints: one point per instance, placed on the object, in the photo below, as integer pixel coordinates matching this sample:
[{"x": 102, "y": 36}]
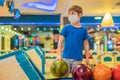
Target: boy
[{"x": 74, "y": 37}]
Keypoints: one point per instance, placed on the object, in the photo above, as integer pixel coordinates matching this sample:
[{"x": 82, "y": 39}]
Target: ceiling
[{"x": 90, "y": 7}]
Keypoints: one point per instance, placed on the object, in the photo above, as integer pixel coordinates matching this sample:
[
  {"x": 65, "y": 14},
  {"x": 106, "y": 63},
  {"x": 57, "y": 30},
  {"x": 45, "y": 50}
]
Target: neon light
[
  {"x": 58, "y": 29},
  {"x": 46, "y": 5},
  {"x": 51, "y": 29},
  {"x": 97, "y": 18},
  {"x": 2, "y": 27},
  {"x": 25, "y": 23},
  {"x": 44, "y": 29},
  {"x": 37, "y": 29},
  {"x": 42, "y": 24},
  {"x": 91, "y": 29},
  {"x": 104, "y": 29}
]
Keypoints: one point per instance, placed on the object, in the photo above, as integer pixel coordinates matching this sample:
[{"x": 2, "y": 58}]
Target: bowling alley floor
[{"x": 49, "y": 76}]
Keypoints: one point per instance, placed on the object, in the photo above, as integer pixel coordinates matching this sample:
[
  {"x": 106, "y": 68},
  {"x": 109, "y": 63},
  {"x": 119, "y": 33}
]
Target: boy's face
[{"x": 74, "y": 17}]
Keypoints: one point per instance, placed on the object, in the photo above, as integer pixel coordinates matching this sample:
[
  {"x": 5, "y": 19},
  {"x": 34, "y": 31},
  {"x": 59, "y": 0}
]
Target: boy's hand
[
  {"x": 59, "y": 57},
  {"x": 87, "y": 61}
]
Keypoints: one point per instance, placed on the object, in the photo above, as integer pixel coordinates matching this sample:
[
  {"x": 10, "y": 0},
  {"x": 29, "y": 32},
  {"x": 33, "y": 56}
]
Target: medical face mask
[{"x": 73, "y": 19}]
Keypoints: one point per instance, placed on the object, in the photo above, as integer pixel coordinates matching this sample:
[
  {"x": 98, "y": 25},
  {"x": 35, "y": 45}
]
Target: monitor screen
[
  {"x": 11, "y": 7},
  {"x": 17, "y": 14},
  {"x": 46, "y": 5},
  {"x": 2, "y": 2}
]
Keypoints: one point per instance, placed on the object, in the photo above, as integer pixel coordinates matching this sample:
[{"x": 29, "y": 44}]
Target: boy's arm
[
  {"x": 86, "y": 48},
  {"x": 61, "y": 40}
]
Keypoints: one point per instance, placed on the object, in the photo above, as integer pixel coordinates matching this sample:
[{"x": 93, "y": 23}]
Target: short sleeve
[
  {"x": 63, "y": 31},
  {"x": 86, "y": 36}
]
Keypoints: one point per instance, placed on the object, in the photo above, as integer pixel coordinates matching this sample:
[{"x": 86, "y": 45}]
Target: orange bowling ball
[
  {"x": 53, "y": 51},
  {"x": 102, "y": 72}
]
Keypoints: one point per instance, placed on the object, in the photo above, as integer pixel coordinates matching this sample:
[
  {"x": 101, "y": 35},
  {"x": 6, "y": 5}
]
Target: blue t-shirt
[{"x": 74, "y": 39}]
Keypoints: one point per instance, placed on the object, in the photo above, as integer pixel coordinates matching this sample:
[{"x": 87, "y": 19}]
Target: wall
[{"x": 48, "y": 44}]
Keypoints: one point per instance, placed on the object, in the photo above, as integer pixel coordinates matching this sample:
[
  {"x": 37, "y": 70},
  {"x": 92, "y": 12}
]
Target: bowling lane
[
  {"x": 15, "y": 66},
  {"x": 35, "y": 58},
  {"x": 10, "y": 72}
]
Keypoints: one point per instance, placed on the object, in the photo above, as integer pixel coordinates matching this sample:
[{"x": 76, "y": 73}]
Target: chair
[
  {"x": 117, "y": 59},
  {"x": 108, "y": 60}
]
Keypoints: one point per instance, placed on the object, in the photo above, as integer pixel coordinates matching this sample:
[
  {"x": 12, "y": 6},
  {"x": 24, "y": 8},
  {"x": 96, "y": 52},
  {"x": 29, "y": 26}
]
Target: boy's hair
[{"x": 76, "y": 8}]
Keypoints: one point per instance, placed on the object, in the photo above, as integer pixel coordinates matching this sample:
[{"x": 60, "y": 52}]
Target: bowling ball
[
  {"x": 14, "y": 48},
  {"x": 90, "y": 56},
  {"x": 116, "y": 72},
  {"x": 53, "y": 51},
  {"x": 102, "y": 72},
  {"x": 81, "y": 72},
  {"x": 56, "y": 50},
  {"x": 59, "y": 68}
]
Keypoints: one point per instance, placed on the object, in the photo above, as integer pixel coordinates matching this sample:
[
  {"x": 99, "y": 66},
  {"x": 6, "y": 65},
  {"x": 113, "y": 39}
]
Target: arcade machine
[
  {"x": 91, "y": 41},
  {"x": 28, "y": 43},
  {"x": 21, "y": 42},
  {"x": 105, "y": 43},
  {"x": 15, "y": 42},
  {"x": 55, "y": 38},
  {"x": 31, "y": 41},
  {"x": 110, "y": 44},
  {"x": 36, "y": 40}
]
